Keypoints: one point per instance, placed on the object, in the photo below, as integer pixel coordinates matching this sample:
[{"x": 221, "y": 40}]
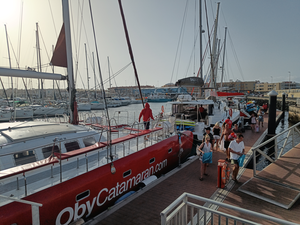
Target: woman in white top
[
  {"x": 253, "y": 121},
  {"x": 204, "y": 148},
  {"x": 236, "y": 149}
]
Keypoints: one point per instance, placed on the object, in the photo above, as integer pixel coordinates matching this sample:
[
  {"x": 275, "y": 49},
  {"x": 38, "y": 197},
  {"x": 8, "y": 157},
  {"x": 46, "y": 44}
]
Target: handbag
[
  {"x": 241, "y": 160},
  {"x": 198, "y": 152},
  {"x": 207, "y": 157}
]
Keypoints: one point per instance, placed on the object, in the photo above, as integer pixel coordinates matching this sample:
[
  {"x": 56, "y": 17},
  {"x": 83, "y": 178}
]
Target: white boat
[
  {"x": 159, "y": 97},
  {"x": 95, "y": 105},
  {"x": 39, "y": 110},
  {"x": 185, "y": 113},
  {"x": 84, "y": 106}
]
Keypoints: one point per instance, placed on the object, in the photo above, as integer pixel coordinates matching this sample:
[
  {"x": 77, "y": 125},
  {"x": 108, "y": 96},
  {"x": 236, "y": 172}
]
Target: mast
[
  {"x": 39, "y": 63},
  {"x": 87, "y": 73},
  {"x": 223, "y": 57},
  {"x": 94, "y": 75},
  {"x": 214, "y": 49},
  {"x": 71, "y": 87},
  {"x": 200, "y": 27},
  {"x": 11, "y": 79},
  {"x": 108, "y": 72}
]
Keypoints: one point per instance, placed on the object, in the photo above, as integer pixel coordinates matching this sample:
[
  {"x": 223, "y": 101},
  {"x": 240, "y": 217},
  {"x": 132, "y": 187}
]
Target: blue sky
[{"x": 262, "y": 40}]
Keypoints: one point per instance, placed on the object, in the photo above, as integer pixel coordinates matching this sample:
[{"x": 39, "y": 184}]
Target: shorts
[
  {"x": 234, "y": 161},
  {"x": 260, "y": 119},
  {"x": 226, "y": 144},
  {"x": 146, "y": 125},
  {"x": 216, "y": 137}
]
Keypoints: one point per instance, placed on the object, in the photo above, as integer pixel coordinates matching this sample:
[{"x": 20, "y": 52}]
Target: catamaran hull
[{"x": 91, "y": 193}]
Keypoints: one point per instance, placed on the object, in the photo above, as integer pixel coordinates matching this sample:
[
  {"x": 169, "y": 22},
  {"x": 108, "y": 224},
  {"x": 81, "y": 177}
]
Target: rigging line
[
  {"x": 211, "y": 60},
  {"x": 130, "y": 49},
  {"x": 103, "y": 91},
  {"x": 20, "y": 24},
  {"x": 52, "y": 19},
  {"x": 116, "y": 74},
  {"x": 235, "y": 56},
  {"x": 195, "y": 36},
  {"x": 180, "y": 49},
  {"x": 180, "y": 34},
  {"x": 75, "y": 45}
]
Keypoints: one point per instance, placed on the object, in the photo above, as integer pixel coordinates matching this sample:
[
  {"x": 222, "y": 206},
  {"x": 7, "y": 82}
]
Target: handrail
[
  {"x": 290, "y": 133},
  {"x": 277, "y": 135},
  {"x": 34, "y": 208},
  {"x": 182, "y": 202}
]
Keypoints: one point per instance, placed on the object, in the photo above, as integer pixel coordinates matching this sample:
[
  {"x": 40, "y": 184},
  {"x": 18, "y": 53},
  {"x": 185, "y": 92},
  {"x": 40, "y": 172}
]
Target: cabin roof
[
  {"x": 11, "y": 132},
  {"x": 194, "y": 102}
]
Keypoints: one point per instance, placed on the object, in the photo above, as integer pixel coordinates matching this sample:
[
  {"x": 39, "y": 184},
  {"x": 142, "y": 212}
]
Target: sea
[{"x": 127, "y": 114}]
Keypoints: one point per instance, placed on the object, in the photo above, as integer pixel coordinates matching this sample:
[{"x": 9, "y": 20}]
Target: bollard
[
  {"x": 221, "y": 163},
  {"x": 272, "y": 112},
  {"x": 283, "y": 102}
]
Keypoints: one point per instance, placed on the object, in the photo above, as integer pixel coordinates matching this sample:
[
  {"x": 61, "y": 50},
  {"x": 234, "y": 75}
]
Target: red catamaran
[{"x": 53, "y": 173}]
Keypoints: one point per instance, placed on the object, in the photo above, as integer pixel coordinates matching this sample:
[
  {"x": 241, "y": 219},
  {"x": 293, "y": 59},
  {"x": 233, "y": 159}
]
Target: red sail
[{"x": 59, "y": 57}]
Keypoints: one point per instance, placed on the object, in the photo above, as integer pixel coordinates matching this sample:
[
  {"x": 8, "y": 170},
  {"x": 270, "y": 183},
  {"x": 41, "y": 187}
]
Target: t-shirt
[
  {"x": 237, "y": 147},
  {"x": 229, "y": 122}
]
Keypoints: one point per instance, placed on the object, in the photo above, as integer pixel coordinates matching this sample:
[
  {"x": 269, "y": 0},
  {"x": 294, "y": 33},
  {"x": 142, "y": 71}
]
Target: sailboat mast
[
  {"x": 39, "y": 61},
  {"x": 87, "y": 73},
  {"x": 200, "y": 28},
  {"x": 214, "y": 49},
  {"x": 94, "y": 76},
  {"x": 108, "y": 72},
  {"x": 72, "y": 91},
  {"x": 11, "y": 79},
  {"x": 223, "y": 57}
]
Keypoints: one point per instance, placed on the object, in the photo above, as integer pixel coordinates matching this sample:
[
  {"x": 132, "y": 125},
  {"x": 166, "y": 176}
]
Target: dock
[{"x": 145, "y": 206}]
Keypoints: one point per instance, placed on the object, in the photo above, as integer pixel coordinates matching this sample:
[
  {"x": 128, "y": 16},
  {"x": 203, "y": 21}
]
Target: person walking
[
  {"x": 236, "y": 149},
  {"x": 146, "y": 113},
  {"x": 228, "y": 121},
  {"x": 225, "y": 134},
  {"x": 205, "y": 147},
  {"x": 207, "y": 132},
  {"x": 261, "y": 118},
  {"x": 253, "y": 121},
  {"x": 217, "y": 131}
]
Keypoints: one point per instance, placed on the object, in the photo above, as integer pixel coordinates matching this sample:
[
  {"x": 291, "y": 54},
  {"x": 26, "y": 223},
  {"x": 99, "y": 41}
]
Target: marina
[
  {"x": 78, "y": 146},
  {"x": 146, "y": 206}
]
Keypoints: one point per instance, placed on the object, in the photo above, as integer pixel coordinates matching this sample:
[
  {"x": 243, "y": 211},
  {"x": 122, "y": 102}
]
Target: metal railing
[
  {"x": 34, "y": 208},
  {"x": 184, "y": 210},
  {"x": 277, "y": 145},
  {"x": 82, "y": 163}
]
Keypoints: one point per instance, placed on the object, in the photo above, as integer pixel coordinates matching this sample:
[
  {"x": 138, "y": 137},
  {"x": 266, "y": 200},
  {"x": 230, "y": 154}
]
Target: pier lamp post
[
  {"x": 289, "y": 81},
  {"x": 272, "y": 113}
]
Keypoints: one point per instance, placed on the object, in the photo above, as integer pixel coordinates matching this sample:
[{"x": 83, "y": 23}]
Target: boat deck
[{"x": 145, "y": 206}]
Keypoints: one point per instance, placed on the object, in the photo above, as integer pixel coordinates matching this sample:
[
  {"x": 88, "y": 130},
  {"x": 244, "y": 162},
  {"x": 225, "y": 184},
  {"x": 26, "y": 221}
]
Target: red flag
[{"x": 59, "y": 57}]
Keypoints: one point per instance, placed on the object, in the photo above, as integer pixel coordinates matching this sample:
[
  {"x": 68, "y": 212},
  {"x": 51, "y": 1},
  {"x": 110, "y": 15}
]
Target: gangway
[{"x": 279, "y": 182}]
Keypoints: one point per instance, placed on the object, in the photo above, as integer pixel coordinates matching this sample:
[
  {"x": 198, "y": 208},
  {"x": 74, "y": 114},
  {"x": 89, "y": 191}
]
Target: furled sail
[
  {"x": 190, "y": 82},
  {"x": 59, "y": 57}
]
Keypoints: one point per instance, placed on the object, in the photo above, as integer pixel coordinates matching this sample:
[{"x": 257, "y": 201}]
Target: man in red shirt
[
  {"x": 147, "y": 114},
  {"x": 229, "y": 122}
]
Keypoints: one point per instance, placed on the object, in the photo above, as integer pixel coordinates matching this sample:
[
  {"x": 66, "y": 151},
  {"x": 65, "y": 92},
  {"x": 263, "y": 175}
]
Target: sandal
[
  {"x": 201, "y": 179},
  {"x": 206, "y": 174}
]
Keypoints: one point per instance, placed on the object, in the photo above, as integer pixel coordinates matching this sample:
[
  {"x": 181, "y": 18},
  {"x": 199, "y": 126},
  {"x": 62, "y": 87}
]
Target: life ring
[
  {"x": 225, "y": 174},
  {"x": 230, "y": 112}
]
